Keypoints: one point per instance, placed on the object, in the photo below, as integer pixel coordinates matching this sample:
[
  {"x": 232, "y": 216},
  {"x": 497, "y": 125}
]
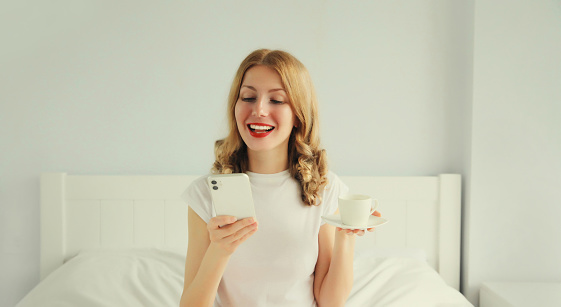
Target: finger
[
  {"x": 216, "y": 226},
  {"x": 376, "y": 213},
  {"x": 239, "y": 225},
  {"x": 221, "y": 220},
  {"x": 371, "y": 229},
  {"x": 233, "y": 227},
  {"x": 253, "y": 230},
  {"x": 228, "y": 230},
  {"x": 243, "y": 223},
  {"x": 238, "y": 235},
  {"x": 360, "y": 233}
]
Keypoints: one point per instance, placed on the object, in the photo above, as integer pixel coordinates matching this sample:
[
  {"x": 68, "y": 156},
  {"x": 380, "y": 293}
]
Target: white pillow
[{"x": 113, "y": 277}]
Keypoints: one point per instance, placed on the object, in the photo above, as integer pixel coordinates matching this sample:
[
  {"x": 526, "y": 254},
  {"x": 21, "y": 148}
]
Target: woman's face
[{"x": 263, "y": 113}]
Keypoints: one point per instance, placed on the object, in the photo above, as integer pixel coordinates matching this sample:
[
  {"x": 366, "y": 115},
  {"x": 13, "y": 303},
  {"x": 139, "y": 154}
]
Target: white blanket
[
  {"x": 395, "y": 282},
  {"x": 154, "y": 277}
]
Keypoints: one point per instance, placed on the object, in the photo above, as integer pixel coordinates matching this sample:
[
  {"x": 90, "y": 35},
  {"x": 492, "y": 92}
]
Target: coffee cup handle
[{"x": 375, "y": 206}]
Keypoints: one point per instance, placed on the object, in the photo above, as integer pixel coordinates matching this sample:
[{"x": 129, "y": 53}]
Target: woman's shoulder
[
  {"x": 332, "y": 179},
  {"x": 199, "y": 183},
  {"x": 334, "y": 186},
  {"x": 197, "y": 196},
  {"x": 198, "y": 186},
  {"x": 201, "y": 179}
]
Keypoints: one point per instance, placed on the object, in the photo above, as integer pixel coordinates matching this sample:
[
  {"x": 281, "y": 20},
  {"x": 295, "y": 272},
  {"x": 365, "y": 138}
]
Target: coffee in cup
[{"x": 355, "y": 209}]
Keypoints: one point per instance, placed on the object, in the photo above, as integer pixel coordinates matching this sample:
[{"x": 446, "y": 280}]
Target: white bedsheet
[
  {"x": 396, "y": 282},
  {"x": 154, "y": 277}
]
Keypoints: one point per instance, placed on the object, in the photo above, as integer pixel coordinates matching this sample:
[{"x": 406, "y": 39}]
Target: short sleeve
[
  {"x": 330, "y": 200},
  {"x": 197, "y": 196}
]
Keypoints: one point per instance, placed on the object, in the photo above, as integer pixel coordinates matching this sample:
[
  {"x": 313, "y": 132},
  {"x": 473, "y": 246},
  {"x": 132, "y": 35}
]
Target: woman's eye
[{"x": 253, "y": 99}]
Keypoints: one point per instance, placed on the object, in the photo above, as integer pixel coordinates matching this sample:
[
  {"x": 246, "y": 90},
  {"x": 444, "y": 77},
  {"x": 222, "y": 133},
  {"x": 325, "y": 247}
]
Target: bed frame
[{"x": 92, "y": 211}]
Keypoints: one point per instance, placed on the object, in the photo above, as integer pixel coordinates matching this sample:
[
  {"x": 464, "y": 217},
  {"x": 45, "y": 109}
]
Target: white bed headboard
[{"x": 92, "y": 211}]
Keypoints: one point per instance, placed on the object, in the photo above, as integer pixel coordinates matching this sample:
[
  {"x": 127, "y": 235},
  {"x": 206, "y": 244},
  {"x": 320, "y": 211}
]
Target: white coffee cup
[{"x": 355, "y": 209}]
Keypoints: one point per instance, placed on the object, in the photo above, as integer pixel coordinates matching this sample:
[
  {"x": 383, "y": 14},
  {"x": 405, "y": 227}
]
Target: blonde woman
[{"x": 287, "y": 257}]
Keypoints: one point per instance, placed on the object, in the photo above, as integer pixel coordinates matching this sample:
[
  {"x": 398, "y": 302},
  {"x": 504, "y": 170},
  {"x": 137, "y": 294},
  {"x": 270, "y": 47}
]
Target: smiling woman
[{"x": 273, "y": 138}]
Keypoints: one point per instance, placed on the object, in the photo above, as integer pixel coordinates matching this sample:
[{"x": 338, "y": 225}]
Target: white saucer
[{"x": 335, "y": 220}]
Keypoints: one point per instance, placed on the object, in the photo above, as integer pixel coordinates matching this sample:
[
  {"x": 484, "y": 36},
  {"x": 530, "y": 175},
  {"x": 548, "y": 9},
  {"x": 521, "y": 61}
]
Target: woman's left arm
[{"x": 333, "y": 279}]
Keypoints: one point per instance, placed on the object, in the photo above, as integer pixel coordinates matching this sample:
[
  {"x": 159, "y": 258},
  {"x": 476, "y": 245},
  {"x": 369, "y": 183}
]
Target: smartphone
[{"x": 231, "y": 195}]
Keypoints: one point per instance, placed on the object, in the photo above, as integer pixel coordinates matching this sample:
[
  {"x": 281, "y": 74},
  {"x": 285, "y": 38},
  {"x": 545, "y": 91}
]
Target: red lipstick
[{"x": 258, "y": 130}]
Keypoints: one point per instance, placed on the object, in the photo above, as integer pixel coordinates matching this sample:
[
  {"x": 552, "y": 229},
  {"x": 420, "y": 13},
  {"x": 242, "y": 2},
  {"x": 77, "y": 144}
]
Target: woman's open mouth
[{"x": 260, "y": 130}]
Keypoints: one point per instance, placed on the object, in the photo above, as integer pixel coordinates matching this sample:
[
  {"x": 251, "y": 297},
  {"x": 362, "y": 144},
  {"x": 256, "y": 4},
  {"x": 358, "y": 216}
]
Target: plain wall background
[
  {"x": 512, "y": 226},
  {"x": 97, "y": 87}
]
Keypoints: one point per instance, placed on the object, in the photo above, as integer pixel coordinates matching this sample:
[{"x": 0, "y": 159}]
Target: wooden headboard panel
[{"x": 92, "y": 211}]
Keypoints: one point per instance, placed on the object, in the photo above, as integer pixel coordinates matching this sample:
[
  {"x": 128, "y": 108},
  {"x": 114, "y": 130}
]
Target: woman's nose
[{"x": 260, "y": 108}]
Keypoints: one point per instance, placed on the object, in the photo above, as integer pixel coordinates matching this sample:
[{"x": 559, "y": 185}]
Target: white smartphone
[{"x": 231, "y": 195}]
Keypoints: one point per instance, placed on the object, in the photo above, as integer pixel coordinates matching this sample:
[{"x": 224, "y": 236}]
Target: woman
[{"x": 288, "y": 257}]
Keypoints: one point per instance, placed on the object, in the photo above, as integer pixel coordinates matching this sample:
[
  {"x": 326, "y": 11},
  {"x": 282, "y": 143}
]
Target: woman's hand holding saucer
[{"x": 359, "y": 232}]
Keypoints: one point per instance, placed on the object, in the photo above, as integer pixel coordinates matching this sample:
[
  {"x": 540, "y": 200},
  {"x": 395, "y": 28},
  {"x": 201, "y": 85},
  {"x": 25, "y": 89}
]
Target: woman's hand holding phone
[{"x": 227, "y": 233}]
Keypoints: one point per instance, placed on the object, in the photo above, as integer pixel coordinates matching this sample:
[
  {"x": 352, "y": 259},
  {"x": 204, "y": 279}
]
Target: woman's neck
[{"x": 269, "y": 162}]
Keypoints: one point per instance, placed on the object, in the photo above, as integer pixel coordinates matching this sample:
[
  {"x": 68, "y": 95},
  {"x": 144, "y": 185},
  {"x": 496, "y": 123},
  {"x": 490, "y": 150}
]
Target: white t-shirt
[{"x": 275, "y": 266}]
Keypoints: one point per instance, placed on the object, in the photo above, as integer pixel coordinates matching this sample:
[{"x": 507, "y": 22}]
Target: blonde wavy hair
[{"x": 307, "y": 161}]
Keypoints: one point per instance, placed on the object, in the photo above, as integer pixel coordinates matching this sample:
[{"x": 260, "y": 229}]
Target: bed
[{"x": 122, "y": 240}]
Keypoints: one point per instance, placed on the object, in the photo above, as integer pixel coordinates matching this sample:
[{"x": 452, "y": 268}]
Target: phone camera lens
[
  {"x": 213, "y": 182},
  {"x": 215, "y": 187}
]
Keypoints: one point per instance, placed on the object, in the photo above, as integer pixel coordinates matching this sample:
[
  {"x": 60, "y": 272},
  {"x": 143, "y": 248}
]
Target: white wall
[
  {"x": 139, "y": 88},
  {"x": 513, "y": 231}
]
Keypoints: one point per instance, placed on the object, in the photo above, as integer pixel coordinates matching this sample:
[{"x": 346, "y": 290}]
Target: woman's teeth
[{"x": 261, "y": 128}]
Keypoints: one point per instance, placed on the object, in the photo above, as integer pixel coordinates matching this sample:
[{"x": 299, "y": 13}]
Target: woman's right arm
[{"x": 210, "y": 248}]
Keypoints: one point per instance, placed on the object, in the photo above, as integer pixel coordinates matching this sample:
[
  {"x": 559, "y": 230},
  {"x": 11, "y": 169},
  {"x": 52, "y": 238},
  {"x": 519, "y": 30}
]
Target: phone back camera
[{"x": 215, "y": 188}]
